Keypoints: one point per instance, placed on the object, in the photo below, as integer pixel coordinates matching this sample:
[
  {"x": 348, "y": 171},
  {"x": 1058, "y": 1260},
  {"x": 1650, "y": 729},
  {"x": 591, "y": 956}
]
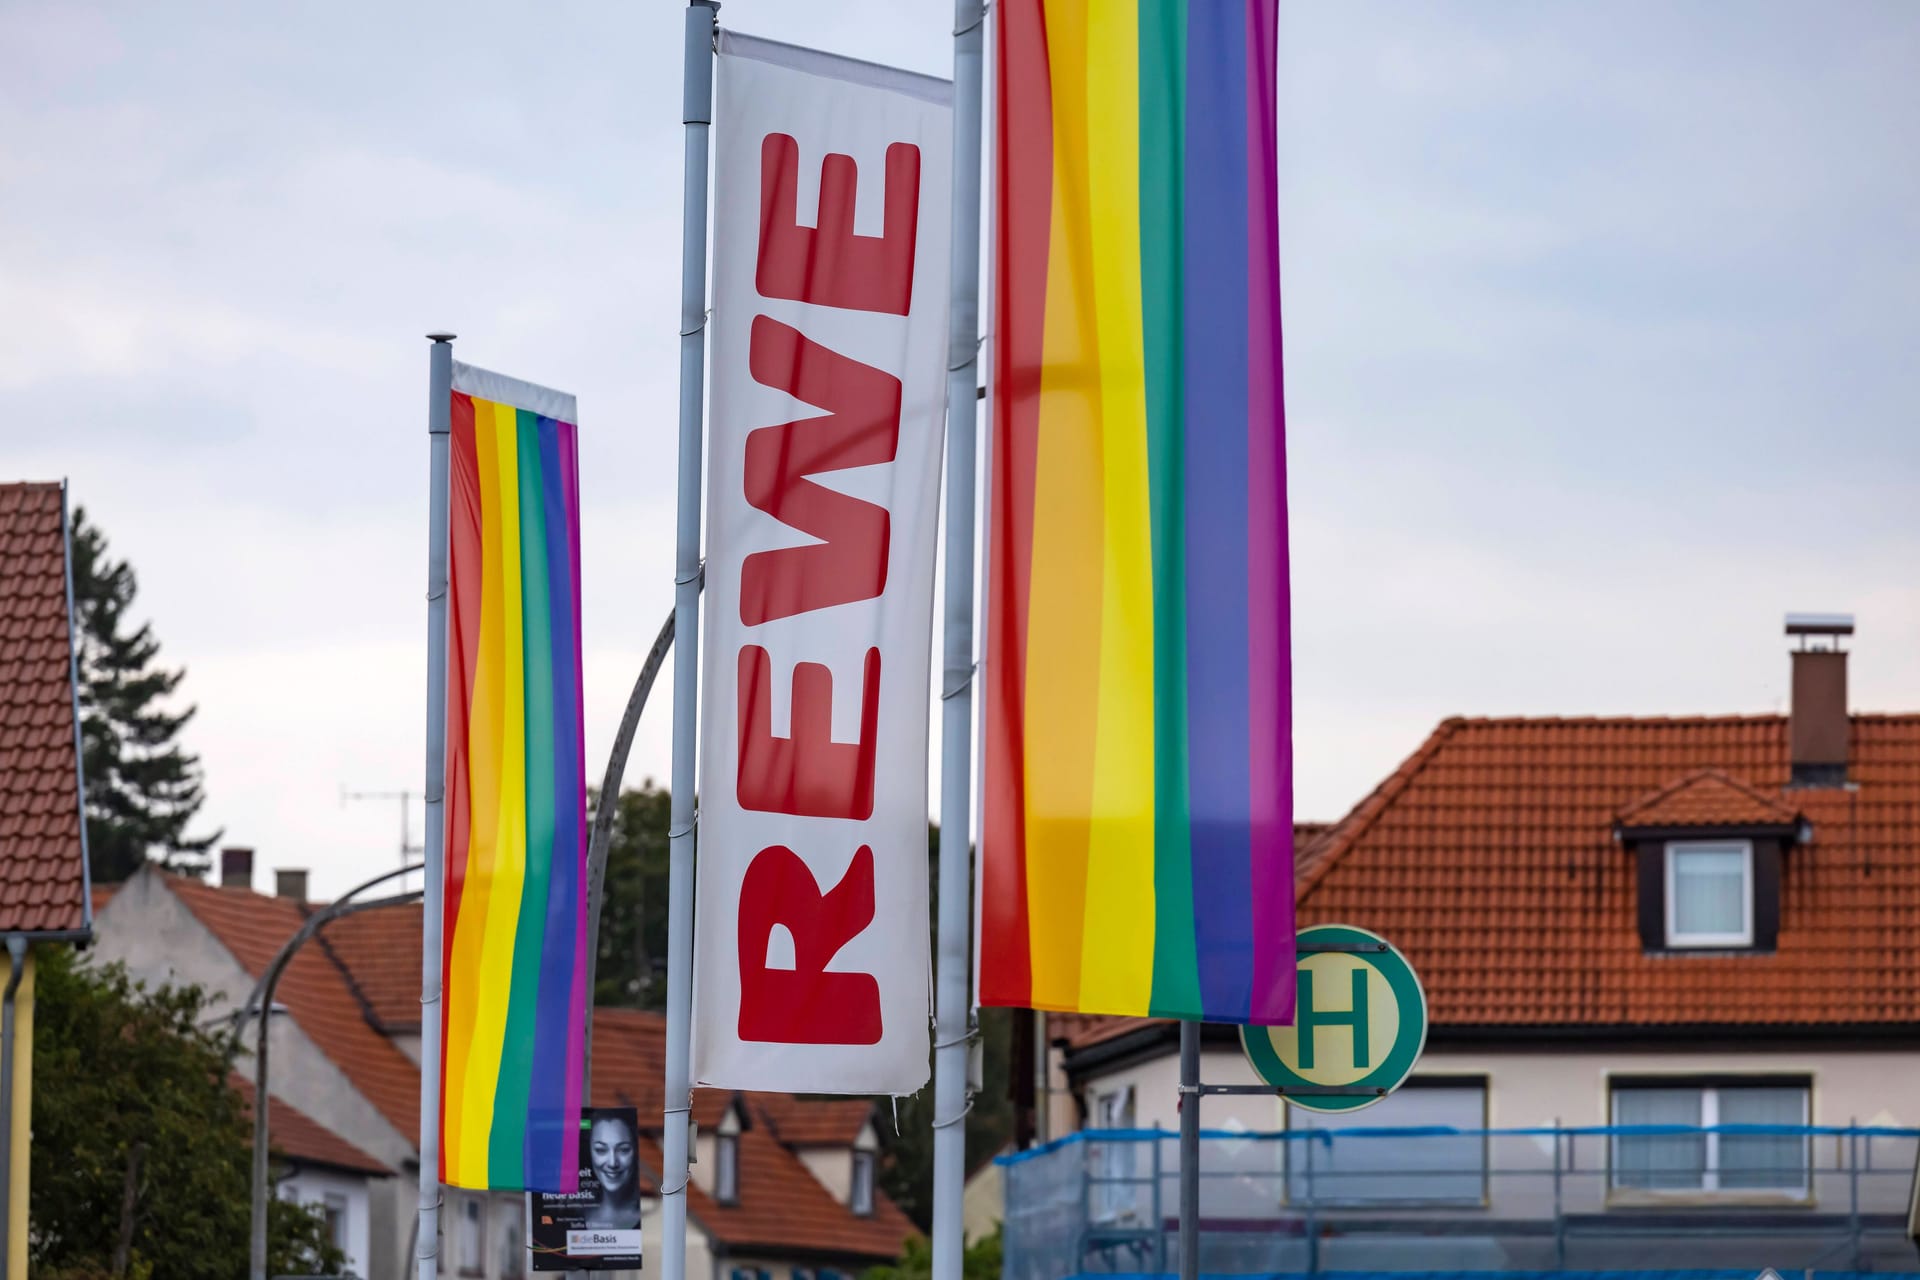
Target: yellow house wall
[{"x": 18, "y": 1162}]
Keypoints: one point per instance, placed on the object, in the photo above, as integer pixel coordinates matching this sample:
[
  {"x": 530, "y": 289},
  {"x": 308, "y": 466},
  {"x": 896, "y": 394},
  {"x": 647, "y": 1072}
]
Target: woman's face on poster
[{"x": 612, "y": 1151}]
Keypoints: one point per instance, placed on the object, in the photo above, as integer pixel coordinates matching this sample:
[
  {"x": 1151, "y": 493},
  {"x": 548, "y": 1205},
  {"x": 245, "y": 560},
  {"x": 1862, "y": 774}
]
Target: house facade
[
  {"x": 320, "y": 1169},
  {"x": 44, "y": 897},
  {"x": 783, "y": 1188},
  {"x": 1656, "y": 925}
]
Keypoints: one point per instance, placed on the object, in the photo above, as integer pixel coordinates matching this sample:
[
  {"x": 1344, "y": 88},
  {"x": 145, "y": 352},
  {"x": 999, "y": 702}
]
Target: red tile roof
[
  {"x": 784, "y": 1207},
  {"x": 254, "y": 927},
  {"x": 1488, "y": 858},
  {"x": 1707, "y": 798},
  {"x": 380, "y": 951},
  {"x": 42, "y": 856},
  {"x": 301, "y": 1138},
  {"x": 815, "y": 1122},
  {"x": 369, "y": 972},
  {"x": 781, "y": 1203}
]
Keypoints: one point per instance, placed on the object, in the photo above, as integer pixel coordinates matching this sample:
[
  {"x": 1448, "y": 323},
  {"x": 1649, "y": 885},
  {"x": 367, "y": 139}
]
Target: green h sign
[
  {"x": 1385, "y": 1015},
  {"x": 1307, "y": 1019}
]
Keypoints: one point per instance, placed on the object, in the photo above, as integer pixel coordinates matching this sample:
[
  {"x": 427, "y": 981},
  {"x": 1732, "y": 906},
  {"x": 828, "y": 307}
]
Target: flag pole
[
  {"x": 697, "y": 115},
  {"x": 439, "y": 435},
  {"x": 1189, "y": 1150},
  {"x": 952, "y": 1033}
]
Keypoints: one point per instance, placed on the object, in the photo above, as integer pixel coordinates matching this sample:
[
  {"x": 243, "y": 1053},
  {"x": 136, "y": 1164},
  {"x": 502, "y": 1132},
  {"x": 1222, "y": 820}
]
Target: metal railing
[{"x": 1305, "y": 1201}]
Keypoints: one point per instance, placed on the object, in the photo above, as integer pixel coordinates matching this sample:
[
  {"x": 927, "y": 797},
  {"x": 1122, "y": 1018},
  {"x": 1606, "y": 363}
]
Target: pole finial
[{"x": 441, "y": 337}]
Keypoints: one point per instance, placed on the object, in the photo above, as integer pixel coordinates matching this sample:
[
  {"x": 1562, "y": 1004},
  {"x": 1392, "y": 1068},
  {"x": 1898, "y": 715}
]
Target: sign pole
[
  {"x": 1189, "y": 1150},
  {"x": 697, "y": 115},
  {"x": 952, "y": 1034},
  {"x": 439, "y": 437}
]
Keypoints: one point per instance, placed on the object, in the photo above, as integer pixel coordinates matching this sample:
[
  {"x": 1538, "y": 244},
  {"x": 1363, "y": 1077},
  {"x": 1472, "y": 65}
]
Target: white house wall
[
  {"x": 312, "y": 1186},
  {"x": 1570, "y": 1087},
  {"x": 150, "y": 930}
]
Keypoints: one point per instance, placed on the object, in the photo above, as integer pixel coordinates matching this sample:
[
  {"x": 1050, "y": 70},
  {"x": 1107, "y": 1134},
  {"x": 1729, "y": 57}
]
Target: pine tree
[{"x": 143, "y": 788}]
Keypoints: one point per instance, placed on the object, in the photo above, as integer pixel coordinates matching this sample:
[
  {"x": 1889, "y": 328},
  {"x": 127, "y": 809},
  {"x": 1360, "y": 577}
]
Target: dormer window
[
  {"x": 1709, "y": 886},
  {"x": 862, "y": 1196},
  {"x": 1710, "y": 854},
  {"x": 726, "y": 1168}
]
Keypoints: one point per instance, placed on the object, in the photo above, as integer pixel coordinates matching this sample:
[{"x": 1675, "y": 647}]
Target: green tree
[
  {"x": 143, "y": 788},
  {"x": 140, "y": 1164},
  {"x": 633, "y": 907},
  {"x": 981, "y": 1261},
  {"x": 906, "y": 1165}
]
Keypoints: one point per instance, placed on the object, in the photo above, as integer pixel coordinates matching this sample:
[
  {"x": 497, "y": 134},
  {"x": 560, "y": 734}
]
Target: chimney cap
[{"x": 1819, "y": 624}]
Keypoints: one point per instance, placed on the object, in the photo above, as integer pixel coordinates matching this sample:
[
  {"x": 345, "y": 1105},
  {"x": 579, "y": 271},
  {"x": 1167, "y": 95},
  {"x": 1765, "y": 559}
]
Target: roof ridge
[
  {"x": 1694, "y": 778},
  {"x": 346, "y": 973},
  {"x": 1334, "y": 845}
]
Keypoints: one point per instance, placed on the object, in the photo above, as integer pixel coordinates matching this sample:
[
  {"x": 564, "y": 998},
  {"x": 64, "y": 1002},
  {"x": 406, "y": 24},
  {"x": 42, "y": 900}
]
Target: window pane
[
  {"x": 513, "y": 1256},
  {"x": 1363, "y": 1170},
  {"x": 1120, "y": 1194},
  {"x": 1763, "y": 1161},
  {"x": 862, "y": 1182},
  {"x": 1658, "y": 1162},
  {"x": 726, "y": 1170},
  {"x": 1709, "y": 891}
]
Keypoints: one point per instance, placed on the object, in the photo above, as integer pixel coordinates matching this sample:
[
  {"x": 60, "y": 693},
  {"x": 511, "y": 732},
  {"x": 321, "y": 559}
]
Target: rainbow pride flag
[
  {"x": 514, "y": 991},
  {"x": 1137, "y": 853}
]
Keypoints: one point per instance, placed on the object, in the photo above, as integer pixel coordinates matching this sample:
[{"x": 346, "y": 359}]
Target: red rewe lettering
[
  {"x": 828, "y": 263},
  {"x": 805, "y": 1004},
  {"x": 806, "y": 773},
  {"x": 860, "y": 429}
]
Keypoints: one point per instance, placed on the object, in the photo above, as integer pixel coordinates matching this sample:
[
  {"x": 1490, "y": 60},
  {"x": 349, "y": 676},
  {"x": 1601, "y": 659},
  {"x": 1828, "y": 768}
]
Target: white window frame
[
  {"x": 1744, "y": 938},
  {"x": 1306, "y": 1121},
  {"x": 1710, "y": 1119},
  {"x": 473, "y": 1209},
  {"x": 335, "y": 1206},
  {"x": 1113, "y": 1200}
]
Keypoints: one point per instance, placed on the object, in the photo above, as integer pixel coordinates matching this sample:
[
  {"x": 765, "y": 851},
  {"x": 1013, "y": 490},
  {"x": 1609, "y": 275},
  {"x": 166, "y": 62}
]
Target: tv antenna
[{"x": 406, "y": 798}]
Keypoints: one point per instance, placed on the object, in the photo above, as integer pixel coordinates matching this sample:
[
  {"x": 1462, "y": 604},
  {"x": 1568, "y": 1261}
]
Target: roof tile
[
  {"x": 366, "y": 980},
  {"x": 42, "y": 885},
  {"x": 298, "y": 1136},
  {"x": 1488, "y": 858}
]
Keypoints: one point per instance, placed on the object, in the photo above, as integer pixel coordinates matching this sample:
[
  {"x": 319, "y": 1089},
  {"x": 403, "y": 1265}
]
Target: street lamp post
[{"x": 260, "y": 1005}]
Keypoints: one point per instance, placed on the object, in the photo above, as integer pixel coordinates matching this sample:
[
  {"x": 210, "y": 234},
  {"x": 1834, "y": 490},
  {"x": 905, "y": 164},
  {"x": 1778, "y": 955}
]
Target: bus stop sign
[{"x": 1359, "y": 1023}]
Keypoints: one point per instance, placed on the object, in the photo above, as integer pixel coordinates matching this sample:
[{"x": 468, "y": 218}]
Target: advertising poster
[{"x": 597, "y": 1228}]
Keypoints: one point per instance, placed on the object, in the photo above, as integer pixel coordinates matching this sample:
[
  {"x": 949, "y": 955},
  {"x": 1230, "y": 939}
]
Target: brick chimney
[
  {"x": 236, "y": 868},
  {"x": 290, "y": 884},
  {"x": 1818, "y": 730}
]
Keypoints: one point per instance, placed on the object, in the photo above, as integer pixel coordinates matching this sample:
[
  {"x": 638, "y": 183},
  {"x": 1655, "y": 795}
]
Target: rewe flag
[{"x": 830, "y": 245}]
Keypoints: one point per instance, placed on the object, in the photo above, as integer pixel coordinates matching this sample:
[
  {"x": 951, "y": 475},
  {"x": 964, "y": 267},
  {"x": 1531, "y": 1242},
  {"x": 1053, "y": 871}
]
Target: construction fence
[{"x": 1720, "y": 1200}]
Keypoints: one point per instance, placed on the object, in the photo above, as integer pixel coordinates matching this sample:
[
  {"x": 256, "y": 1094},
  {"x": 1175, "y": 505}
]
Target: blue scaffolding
[{"x": 1429, "y": 1202}]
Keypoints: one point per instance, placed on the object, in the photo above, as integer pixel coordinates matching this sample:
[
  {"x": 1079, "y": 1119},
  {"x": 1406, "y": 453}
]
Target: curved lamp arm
[{"x": 260, "y": 1005}]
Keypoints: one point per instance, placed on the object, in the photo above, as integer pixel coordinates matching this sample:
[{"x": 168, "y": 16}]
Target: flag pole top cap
[{"x": 441, "y": 337}]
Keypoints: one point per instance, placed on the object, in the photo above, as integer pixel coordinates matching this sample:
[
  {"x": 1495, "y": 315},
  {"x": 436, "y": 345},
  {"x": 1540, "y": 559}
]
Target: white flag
[{"x": 830, "y": 244}]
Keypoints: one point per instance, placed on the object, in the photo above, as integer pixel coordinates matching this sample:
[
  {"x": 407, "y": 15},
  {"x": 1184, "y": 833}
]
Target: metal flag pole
[
  {"x": 951, "y": 1031},
  {"x": 439, "y": 436},
  {"x": 1189, "y": 1150},
  {"x": 697, "y": 115}
]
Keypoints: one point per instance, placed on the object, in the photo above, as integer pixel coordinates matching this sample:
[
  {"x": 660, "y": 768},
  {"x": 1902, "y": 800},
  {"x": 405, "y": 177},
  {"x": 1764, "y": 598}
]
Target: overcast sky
[{"x": 1601, "y": 325}]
